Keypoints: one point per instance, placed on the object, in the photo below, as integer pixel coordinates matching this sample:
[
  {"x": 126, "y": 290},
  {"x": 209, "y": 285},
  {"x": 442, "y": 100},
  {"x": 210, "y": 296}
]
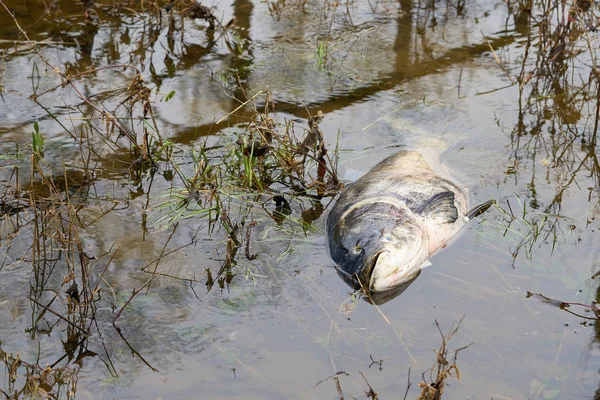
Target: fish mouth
[{"x": 366, "y": 275}]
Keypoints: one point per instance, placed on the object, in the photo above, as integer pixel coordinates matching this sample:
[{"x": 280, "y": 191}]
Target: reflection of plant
[
  {"x": 46, "y": 216},
  {"x": 531, "y": 227},
  {"x": 555, "y": 92},
  {"x": 40, "y": 383},
  {"x": 553, "y": 140},
  {"x": 263, "y": 162},
  {"x": 432, "y": 387}
]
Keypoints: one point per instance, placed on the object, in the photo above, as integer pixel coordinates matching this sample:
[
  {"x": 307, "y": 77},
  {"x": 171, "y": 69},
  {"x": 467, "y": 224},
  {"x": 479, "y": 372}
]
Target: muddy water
[{"x": 397, "y": 75}]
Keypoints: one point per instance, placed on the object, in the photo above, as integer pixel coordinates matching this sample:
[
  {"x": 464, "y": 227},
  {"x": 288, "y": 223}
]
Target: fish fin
[
  {"x": 440, "y": 208},
  {"x": 480, "y": 209},
  {"x": 426, "y": 264}
]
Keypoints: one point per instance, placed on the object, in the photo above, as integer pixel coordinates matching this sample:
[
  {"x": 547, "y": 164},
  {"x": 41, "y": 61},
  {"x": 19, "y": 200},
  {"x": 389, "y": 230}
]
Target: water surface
[{"x": 397, "y": 75}]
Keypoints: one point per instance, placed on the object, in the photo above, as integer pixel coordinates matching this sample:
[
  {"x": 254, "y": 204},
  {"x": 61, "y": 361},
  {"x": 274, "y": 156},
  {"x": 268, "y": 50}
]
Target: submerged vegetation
[
  {"x": 240, "y": 185},
  {"x": 255, "y": 169},
  {"x": 230, "y": 181}
]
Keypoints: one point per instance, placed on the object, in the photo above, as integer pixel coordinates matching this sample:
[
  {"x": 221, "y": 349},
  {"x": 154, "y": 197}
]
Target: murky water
[{"x": 396, "y": 75}]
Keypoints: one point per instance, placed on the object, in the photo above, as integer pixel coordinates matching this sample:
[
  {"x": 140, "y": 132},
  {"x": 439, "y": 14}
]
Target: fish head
[{"x": 379, "y": 246}]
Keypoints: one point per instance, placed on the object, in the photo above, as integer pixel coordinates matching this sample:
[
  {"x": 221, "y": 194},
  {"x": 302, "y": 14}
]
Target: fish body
[{"x": 385, "y": 226}]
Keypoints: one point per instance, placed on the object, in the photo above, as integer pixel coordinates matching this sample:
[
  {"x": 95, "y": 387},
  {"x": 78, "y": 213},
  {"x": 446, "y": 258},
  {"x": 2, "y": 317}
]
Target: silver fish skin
[{"x": 385, "y": 226}]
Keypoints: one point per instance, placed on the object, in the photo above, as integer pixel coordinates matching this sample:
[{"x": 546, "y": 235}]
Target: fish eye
[{"x": 357, "y": 249}]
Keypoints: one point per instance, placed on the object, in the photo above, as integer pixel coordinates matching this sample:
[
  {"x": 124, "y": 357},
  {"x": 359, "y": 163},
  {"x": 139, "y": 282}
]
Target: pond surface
[{"x": 497, "y": 91}]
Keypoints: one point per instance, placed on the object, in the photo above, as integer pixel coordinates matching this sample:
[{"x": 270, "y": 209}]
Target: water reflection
[
  {"x": 381, "y": 297},
  {"x": 280, "y": 291},
  {"x": 555, "y": 136}
]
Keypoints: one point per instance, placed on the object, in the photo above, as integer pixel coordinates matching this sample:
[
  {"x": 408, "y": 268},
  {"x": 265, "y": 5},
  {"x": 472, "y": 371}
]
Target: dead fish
[{"x": 385, "y": 226}]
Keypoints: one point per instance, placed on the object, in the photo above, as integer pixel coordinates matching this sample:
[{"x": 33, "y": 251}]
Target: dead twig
[
  {"x": 444, "y": 368},
  {"x": 408, "y": 385},
  {"x": 85, "y": 331},
  {"x": 371, "y": 394},
  {"x": 497, "y": 59}
]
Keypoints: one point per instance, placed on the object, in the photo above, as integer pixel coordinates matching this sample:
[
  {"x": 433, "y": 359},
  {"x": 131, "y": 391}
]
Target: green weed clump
[{"x": 254, "y": 171}]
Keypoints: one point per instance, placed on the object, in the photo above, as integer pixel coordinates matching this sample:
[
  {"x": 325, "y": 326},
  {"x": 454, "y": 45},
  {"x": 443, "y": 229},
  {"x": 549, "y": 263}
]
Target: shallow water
[{"x": 397, "y": 76}]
